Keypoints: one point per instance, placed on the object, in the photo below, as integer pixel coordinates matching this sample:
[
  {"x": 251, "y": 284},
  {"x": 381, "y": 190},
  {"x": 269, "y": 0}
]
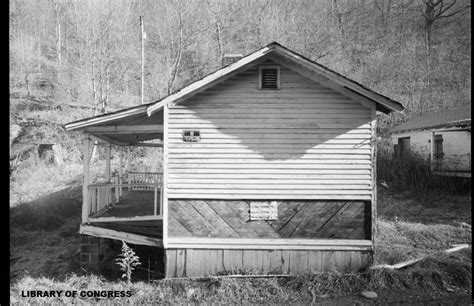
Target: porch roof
[{"x": 125, "y": 127}]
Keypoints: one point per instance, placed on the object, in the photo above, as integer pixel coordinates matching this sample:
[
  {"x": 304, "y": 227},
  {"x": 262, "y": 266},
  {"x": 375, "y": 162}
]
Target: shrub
[
  {"x": 413, "y": 172},
  {"x": 127, "y": 261}
]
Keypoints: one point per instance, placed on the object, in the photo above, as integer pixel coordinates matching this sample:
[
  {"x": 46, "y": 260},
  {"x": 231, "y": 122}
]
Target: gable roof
[
  {"x": 447, "y": 117},
  {"x": 382, "y": 102},
  {"x": 325, "y": 75}
]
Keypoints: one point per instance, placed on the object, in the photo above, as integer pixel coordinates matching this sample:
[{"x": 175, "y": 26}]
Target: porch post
[
  {"x": 120, "y": 170},
  {"x": 85, "y": 184},
  {"x": 432, "y": 134},
  {"x": 107, "y": 163},
  {"x": 129, "y": 162}
]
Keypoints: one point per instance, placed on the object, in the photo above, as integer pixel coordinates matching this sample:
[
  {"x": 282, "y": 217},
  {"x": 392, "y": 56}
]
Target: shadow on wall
[
  {"x": 293, "y": 142},
  {"x": 300, "y": 118}
]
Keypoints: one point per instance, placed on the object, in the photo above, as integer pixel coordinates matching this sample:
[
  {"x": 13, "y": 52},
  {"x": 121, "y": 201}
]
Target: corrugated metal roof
[{"x": 436, "y": 119}]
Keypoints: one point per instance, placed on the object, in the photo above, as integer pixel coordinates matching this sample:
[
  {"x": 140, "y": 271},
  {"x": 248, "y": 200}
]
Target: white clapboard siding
[
  {"x": 293, "y": 141},
  {"x": 303, "y": 141},
  {"x": 195, "y": 171},
  {"x": 270, "y": 164},
  {"x": 274, "y": 181},
  {"x": 264, "y": 177}
]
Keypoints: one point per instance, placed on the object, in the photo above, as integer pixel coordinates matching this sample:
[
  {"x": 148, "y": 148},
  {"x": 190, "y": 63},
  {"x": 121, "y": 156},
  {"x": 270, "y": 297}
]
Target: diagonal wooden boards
[{"x": 296, "y": 219}]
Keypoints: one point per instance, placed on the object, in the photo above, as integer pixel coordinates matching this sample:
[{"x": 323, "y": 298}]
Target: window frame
[
  {"x": 260, "y": 76},
  {"x": 402, "y": 150},
  {"x": 438, "y": 146}
]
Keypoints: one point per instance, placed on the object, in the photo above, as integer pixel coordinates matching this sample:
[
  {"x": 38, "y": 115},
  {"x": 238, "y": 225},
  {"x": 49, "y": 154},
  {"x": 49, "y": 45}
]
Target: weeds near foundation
[
  {"x": 436, "y": 273},
  {"x": 413, "y": 172},
  {"x": 127, "y": 261}
]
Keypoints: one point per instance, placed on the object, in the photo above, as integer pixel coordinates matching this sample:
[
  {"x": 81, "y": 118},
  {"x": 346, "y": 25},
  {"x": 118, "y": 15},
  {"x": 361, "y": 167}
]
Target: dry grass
[
  {"x": 34, "y": 179},
  {"x": 395, "y": 242},
  {"x": 438, "y": 273},
  {"x": 432, "y": 208},
  {"x": 398, "y": 241}
]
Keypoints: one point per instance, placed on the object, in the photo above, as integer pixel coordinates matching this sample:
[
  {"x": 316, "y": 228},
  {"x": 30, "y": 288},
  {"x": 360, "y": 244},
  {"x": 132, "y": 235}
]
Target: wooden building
[
  {"x": 443, "y": 137},
  {"x": 268, "y": 166}
]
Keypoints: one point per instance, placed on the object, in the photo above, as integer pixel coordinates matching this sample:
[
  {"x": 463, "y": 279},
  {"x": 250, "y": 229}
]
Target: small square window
[
  {"x": 269, "y": 77},
  {"x": 191, "y": 136}
]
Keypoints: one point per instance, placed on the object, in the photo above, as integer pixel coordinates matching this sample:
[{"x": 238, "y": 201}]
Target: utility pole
[{"x": 142, "y": 26}]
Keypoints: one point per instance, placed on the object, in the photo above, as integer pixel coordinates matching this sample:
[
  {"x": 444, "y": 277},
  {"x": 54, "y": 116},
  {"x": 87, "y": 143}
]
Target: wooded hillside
[{"x": 74, "y": 59}]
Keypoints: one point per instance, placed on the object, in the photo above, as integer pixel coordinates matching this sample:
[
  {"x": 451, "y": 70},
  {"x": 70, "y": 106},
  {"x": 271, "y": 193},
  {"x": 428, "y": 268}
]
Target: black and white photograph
[{"x": 312, "y": 152}]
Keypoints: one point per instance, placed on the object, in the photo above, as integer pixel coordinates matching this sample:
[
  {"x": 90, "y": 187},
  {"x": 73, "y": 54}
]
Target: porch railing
[
  {"x": 144, "y": 180},
  {"x": 106, "y": 195}
]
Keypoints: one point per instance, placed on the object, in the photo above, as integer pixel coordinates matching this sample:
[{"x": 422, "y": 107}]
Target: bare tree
[{"x": 434, "y": 10}]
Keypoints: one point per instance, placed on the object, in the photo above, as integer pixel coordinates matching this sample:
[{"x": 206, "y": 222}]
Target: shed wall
[
  {"x": 303, "y": 141},
  {"x": 457, "y": 150},
  {"x": 456, "y": 147}
]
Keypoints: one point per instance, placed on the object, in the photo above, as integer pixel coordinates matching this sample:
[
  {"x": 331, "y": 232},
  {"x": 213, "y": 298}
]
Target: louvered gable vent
[{"x": 269, "y": 78}]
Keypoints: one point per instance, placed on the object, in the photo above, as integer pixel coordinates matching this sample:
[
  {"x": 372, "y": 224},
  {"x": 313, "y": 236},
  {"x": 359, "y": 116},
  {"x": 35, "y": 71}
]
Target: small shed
[
  {"x": 443, "y": 137},
  {"x": 268, "y": 166}
]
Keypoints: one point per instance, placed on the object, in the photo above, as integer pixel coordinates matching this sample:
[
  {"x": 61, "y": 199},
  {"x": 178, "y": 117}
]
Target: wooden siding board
[
  {"x": 306, "y": 226},
  {"x": 171, "y": 264},
  {"x": 299, "y": 262},
  {"x": 266, "y": 197},
  {"x": 320, "y": 218},
  {"x": 286, "y": 260},
  {"x": 289, "y": 132},
  {"x": 235, "y": 218},
  {"x": 273, "y": 191},
  {"x": 180, "y": 263},
  {"x": 251, "y": 261},
  {"x": 188, "y": 219},
  {"x": 314, "y": 261},
  {"x": 355, "y": 261},
  {"x": 348, "y": 219},
  {"x": 285, "y": 213},
  {"x": 176, "y": 229},
  {"x": 291, "y": 225},
  {"x": 191, "y": 266},
  {"x": 327, "y": 261},
  {"x": 205, "y": 262},
  {"x": 214, "y": 219},
  {"x": 232, "y": 260}
]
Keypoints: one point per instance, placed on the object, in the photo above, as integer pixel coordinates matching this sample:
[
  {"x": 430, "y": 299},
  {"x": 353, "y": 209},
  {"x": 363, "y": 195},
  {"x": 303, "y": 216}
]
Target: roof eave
[
  {"x": 83, "y": 123},
  {"x": 194, "y": 87},
  {"x": 383, "y": 101},
  {"x": 457, "y": 123}
]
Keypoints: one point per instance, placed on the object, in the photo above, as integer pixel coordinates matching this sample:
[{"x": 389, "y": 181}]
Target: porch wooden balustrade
[
  {"x": 153, "y": 178},
  {"x": 102, "y": 197}
]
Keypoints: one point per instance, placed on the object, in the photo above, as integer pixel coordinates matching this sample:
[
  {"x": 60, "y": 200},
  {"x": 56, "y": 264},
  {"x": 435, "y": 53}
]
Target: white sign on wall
[{"x": 264, "y": 210}]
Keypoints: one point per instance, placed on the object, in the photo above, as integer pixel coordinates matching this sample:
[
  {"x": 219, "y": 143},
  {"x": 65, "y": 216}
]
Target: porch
[
  {"x": 129, "y": 209},
  {"x": 123, "y": 200}
]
